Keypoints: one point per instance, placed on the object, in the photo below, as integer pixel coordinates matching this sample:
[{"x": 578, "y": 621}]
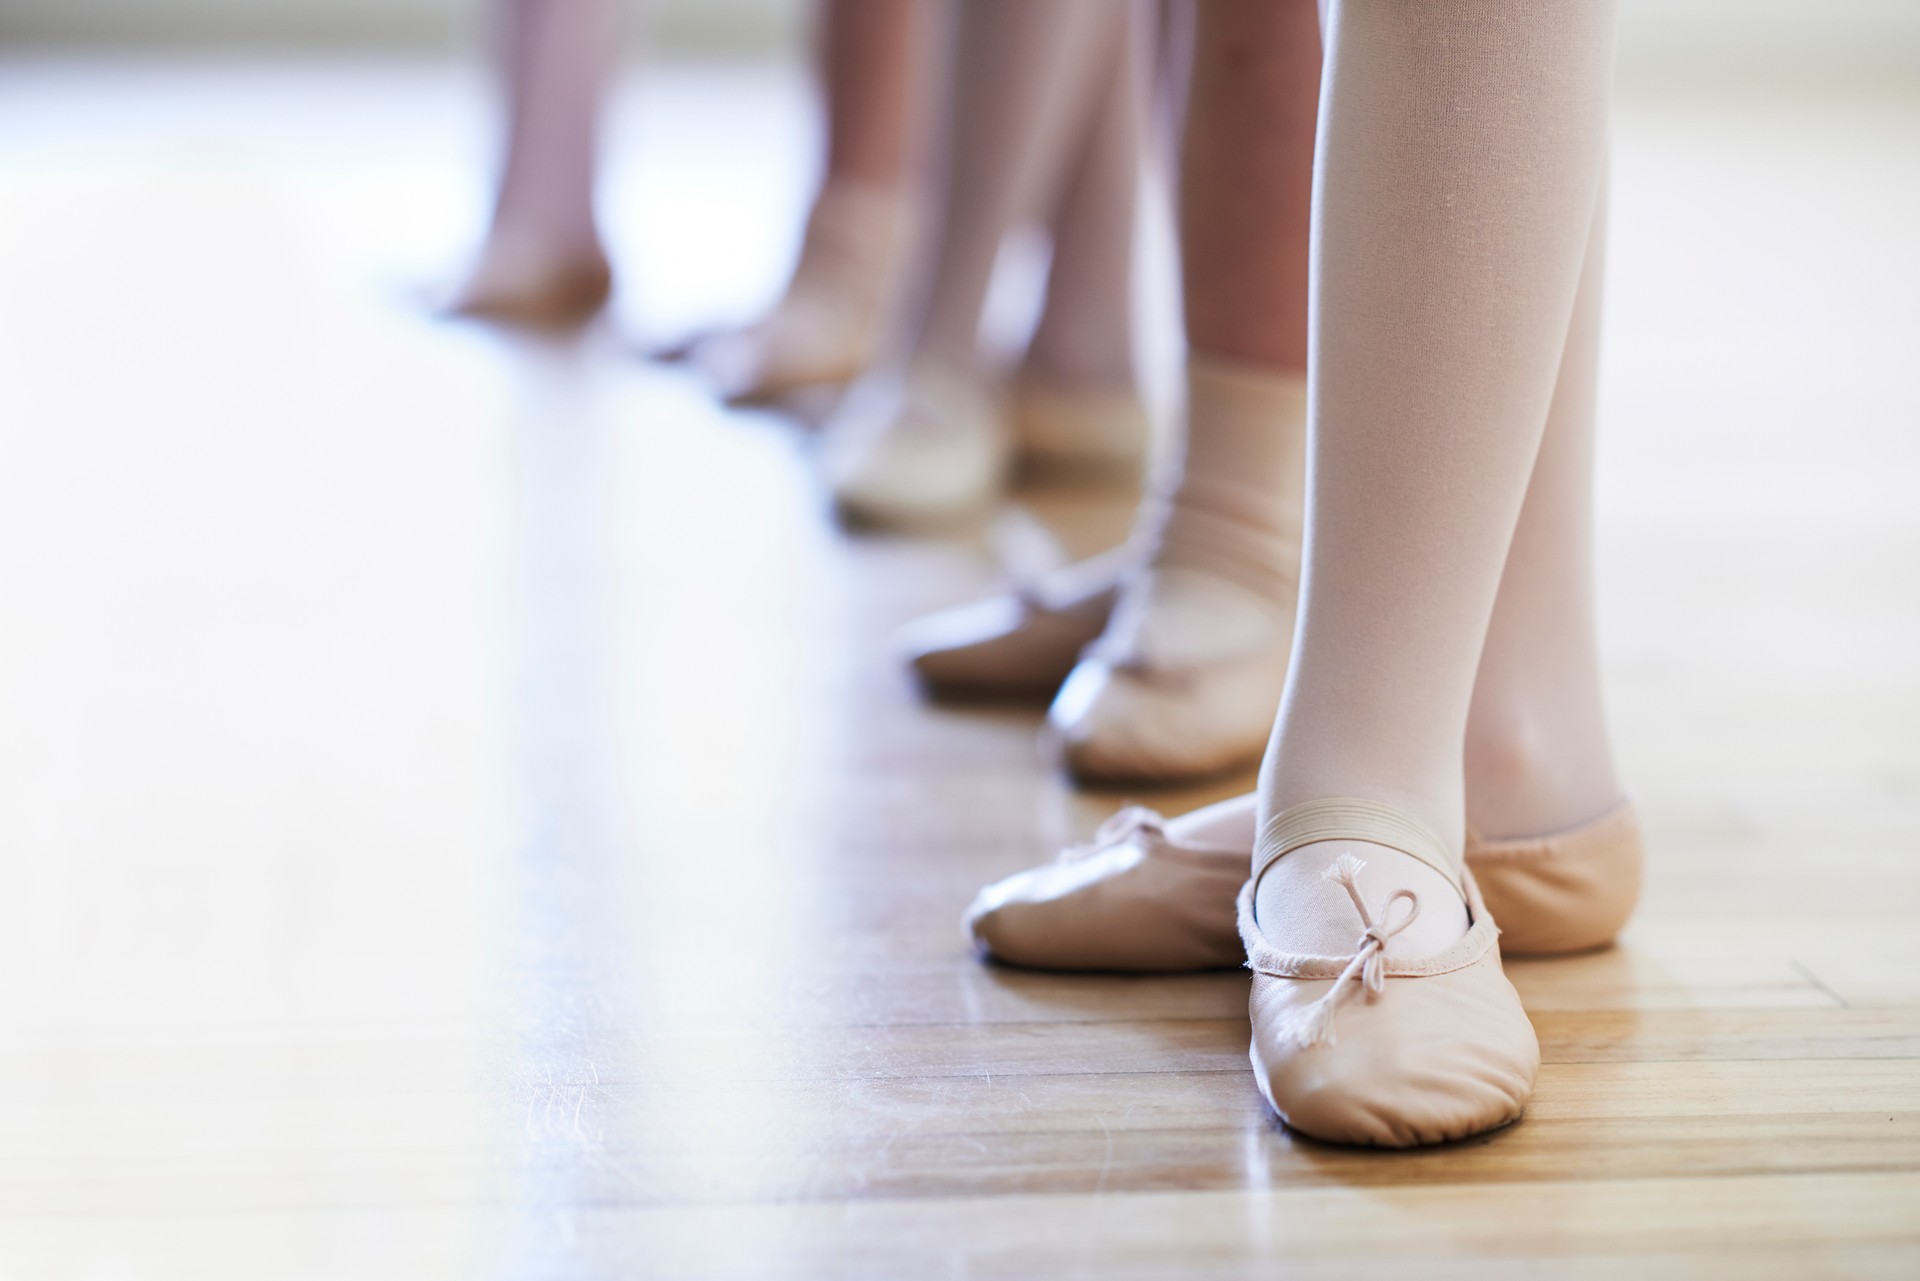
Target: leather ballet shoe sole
[
  {"x": 1568, "y": 892},
  {"x": 1372, "y": 1049}
]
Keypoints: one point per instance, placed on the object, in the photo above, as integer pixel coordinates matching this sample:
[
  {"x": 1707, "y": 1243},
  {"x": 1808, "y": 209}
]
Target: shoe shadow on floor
[{"x": 1102, "y": 997}]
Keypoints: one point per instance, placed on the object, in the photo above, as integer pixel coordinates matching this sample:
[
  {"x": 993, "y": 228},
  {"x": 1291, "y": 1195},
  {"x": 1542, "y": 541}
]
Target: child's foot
[
  {"x": 1075, "y": 434},
  {"x": 1380, "y": 1012},
  {"x": 1186, "y": 679},
  {"x": 1145, "y": 894},
  {"x": 927, "y": 447},
  {"x": 1020, "y": 644},
  {"x": 1182, "y": 684},
  {"x": 1552, "y": 894},
  {"x": 827, "y": 328},
  {"x": 522, "y": 281}
]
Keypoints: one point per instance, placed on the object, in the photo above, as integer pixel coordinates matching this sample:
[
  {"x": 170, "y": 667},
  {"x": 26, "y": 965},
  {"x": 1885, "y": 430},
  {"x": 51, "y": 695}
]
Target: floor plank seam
[{"x": 1818, "y": 982}]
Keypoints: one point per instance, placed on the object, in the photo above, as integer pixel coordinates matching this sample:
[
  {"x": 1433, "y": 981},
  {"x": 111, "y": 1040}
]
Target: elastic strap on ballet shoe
[
  {"x": 1368, "y": 966},
  {"x": 1349, "y": 818}
]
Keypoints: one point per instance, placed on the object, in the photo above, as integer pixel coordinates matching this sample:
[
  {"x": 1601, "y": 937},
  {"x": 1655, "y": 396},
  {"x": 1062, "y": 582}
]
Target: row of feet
[{"x": 1380, "y": 1012}]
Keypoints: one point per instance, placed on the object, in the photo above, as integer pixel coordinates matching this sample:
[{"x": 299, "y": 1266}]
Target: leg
[
  {"x": 1555, "y": 852},
  {"x": 1462, "y": 147},
  {"x": 870, "y": 63},
  {"x": 1425, "y": 429},
  {"x": 1537, "y": 756},
  {"x": 1085, "y": 334},
  {"x": 1245, "y": 209},
  {"x": 825, "y": 330},
  {"x": 1215, "y": 604},
  {"x": 925, "y": 440},
  {"x": 542, "y": 260},
  {"x": 1026, "y": 84},
  {"x": 1077, "y": 412}
]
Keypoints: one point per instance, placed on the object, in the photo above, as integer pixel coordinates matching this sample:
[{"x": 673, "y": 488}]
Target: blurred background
[
  {"x": 1693, "y": 38},
  {"x": 1698, "y": 39},
  {"x": 319, "y": 70}
]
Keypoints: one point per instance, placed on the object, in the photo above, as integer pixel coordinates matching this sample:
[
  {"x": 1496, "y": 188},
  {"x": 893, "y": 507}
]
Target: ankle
[
  {"x": 1235, "y": 506},
  {"x": 1526, "y": 777},
  {"x": 854, "y": 246},
  {"x": 1436, "y": 803},
  {"x": 528, "y": 240},
  {"x": 1297, "y": 904},
  {"x": 1078, "y": 366}
]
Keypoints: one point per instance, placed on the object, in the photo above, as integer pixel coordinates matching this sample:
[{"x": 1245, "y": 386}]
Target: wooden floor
[{"x": 461, "y": 816}]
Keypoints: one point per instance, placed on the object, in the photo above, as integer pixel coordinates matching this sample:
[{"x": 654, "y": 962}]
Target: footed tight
[
  {"x": 873, "y": 58},
  {"x": 1186, "y": 677},
  {"x": 871, "y": 55},
  {"x": 1043, "y": 124},
  {"x": 1244, "y": 209},
  {"x": 1462, "y": 147},
  {"x": 1085, "y": 333},
  {"x": 1537, "y": 755},
  {"x": 1537, "y": 758},
  {"x": 1243, "y": 254}
]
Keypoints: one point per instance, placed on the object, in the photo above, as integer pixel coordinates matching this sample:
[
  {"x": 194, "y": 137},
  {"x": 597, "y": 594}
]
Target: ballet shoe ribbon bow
[
  {"x": 1313, "y": 1024},
  {"x": 1129, "y": 823}
]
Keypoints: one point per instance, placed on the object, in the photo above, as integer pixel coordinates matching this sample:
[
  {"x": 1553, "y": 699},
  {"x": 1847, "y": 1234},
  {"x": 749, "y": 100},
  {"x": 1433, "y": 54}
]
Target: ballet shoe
[
  {"x": 1373, "y": 1049},
  {"x": 923, "y": 449},
  {"x": 808, "y": 342},
  {"x": 1183, "y": 685},
  {"x": 1080, "y": 435},
  {"x": 1549, "y": 895},
  {"x": 1567, "y": 892},
  {"x": 520, "y": 285},
  {"x": 1020, "y": 644},
  {"x": 1012, "y": 646},
  {"x": 1133, "y": 898}
]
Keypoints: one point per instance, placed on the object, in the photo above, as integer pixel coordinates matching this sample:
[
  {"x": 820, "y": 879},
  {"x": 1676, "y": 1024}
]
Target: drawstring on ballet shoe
[
  {"x": 1312, "y": 1024},
  {"x": 1124, "y": 825}
]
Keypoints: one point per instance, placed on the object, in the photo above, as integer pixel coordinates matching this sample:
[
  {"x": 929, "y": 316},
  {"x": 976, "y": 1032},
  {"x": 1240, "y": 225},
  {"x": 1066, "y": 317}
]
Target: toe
[{"x": 1431, "y": 1059}]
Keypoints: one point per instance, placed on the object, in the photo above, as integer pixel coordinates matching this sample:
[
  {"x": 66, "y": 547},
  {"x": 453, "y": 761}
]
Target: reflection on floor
[{"x": 463, "y": 818}]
